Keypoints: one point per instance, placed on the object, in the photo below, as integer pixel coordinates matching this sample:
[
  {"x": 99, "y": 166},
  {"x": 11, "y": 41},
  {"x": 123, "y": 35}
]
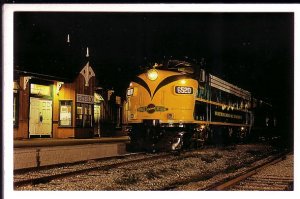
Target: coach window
[{"x": 65, "y": 113}]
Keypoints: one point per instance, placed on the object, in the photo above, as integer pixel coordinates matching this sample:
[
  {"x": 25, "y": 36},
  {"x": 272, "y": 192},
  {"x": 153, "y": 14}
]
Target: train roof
[
  {"x": 228, "y": 87},
  {"x": 214, "y": 81}
]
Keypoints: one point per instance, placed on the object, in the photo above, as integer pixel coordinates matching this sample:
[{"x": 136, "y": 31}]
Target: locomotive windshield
[{"x": 180, "y": 66}]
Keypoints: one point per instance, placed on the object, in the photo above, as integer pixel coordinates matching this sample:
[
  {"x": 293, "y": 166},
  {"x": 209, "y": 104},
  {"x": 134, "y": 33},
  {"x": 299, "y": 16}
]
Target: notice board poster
[{"x": 65, "y": 113}]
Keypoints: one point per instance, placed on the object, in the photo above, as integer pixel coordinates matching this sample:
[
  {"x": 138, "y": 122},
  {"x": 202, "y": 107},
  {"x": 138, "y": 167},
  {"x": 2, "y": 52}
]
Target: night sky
[{"x": 254, "y": 51}]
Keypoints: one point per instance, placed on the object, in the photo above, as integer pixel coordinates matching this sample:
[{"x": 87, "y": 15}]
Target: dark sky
[{"x": 251, "y": 50}]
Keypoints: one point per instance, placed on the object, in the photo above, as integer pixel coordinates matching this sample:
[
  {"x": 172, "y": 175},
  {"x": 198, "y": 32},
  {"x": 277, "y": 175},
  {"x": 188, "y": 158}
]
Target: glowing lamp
[
  {"x": 152, "y": 74},
  {"x": 183, "y": 81}
]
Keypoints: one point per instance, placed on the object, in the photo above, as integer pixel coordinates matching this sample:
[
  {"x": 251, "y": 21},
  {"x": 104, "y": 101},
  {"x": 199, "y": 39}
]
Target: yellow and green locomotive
[{"x": 178, "y": 105}]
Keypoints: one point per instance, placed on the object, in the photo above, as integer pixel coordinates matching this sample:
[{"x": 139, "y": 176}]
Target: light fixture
[
  {"x": 183, "y": 81},
  {"x": 152, "y": 74},
  {"x": 202, "y": 127}
]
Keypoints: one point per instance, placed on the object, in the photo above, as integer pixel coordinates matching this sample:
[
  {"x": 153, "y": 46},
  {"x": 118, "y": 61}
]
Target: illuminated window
[
  {"x": 38, "y": 89},
  {"x": 65, "y": 113},
  {"x": 98, "y": 99},
  {"x": 84, "y": 115}
]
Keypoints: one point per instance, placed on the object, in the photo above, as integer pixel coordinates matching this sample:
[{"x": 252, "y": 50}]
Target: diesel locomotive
[{"x": 179, "y": 105}]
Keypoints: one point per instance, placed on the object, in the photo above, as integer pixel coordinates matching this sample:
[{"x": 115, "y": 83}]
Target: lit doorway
[{"x": 40, "y": 118}]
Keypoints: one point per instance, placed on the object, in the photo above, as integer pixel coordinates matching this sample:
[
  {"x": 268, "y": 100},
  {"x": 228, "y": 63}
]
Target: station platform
[
  {"x": 51, "y": 142},
  {"x": 41, "y": 152}
]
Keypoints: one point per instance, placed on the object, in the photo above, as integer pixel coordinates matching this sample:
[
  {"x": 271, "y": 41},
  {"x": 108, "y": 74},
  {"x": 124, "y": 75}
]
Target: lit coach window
[{"x": 183, "y": 90}]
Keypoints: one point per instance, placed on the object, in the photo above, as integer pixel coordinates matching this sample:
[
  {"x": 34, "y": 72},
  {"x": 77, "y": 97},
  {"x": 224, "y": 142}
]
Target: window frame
[
  {"x": 70, "y": 104},
  {"x": 86, "y": 112}
]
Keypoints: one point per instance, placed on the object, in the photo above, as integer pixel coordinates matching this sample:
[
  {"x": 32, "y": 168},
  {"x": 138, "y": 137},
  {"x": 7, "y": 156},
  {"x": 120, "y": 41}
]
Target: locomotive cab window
[
  {"x": 188, "y": 70},
  {"x": 180, "y": 66}
]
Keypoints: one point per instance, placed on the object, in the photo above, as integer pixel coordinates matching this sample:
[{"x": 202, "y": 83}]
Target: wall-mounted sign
[
  {"x": 38, "y": 89},
  {"x": 88, "y": 99}
]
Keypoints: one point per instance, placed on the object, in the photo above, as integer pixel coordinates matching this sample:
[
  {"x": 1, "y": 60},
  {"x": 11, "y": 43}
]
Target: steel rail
[
  {"x": 227, "y": 183},
  {"x": 46, "y": 179}
]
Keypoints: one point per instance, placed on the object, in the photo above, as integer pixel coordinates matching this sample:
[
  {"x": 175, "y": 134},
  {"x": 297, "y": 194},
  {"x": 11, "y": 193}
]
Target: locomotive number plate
[{"x": 183, "y": 90}]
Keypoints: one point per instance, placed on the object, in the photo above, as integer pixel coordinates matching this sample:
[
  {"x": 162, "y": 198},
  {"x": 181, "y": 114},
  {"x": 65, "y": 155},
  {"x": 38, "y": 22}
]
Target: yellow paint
[
  {"x": 180, "y": 105},
  {"x": 160, "y": 104}
]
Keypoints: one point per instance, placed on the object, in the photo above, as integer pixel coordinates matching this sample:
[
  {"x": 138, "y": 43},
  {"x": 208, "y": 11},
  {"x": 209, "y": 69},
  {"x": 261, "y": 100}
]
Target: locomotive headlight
[
  {"x": 202, "y": 127},
  {"x": 152, "y": 74},
  {"x": 183, "y": 81}
]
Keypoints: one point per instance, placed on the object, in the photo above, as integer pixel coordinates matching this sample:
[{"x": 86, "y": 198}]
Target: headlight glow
[
  {"x": 183, "y": 81},
  {"x": 152, "y": 74},
  {"x": 202, "y": 127}
]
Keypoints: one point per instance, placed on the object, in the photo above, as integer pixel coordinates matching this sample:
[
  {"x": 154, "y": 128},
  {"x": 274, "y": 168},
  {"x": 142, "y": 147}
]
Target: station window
[
  {"x": 65, "y": 113},
  {"x": 84, "y": 115}
]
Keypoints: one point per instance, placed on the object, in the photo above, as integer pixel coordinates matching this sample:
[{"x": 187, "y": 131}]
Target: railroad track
[
  {"x": 274, "y": 175},
  {"x": 194, "y": 180},
  {"x": 46, "y": 175}
]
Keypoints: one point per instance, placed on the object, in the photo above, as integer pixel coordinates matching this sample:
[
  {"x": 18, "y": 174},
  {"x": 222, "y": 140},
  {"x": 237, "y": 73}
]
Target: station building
[{"x": 53, "y": 107}]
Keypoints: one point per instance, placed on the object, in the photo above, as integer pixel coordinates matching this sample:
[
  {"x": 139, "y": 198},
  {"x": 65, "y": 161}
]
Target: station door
[{"x": 40, "y": 118}]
